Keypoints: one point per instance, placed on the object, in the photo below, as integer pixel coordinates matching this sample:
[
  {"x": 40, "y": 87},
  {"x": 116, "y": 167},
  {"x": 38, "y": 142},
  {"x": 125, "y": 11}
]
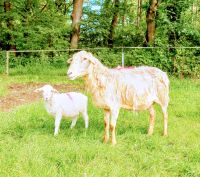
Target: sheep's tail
[{"x": 165, "y": 80}]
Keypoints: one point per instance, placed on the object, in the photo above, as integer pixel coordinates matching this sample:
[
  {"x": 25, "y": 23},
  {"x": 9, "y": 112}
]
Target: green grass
[{"x": 28, "y": 147}]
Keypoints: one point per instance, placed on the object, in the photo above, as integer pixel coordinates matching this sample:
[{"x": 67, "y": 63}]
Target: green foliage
[
  {"x": 2, "y": 61},
  {"x": 35, "y": 25},
  {"x": 46, "y": 25},
  {"x": 184, "y": 63},
  {"x": 181, "y": 62},
  {"x": 187, "y": 63},
  {"x": 38, "y": 63}
]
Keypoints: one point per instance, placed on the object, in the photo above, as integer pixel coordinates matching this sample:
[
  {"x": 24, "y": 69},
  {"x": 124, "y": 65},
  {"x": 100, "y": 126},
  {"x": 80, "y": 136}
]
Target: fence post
[
  {"x": 122, "y": 57},
  {"x": 7, "y": 62}
]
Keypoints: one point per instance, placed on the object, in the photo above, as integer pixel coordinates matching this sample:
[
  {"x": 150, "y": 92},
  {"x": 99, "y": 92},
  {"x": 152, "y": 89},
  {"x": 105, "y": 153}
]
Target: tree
[
  {"x": 139, "y": 13},
  {"x": 76, "y": 18},
  {"x": 150, "y": 20},
  {"x": 113, "y": 23},
  {"x": 9, "y": 23}
]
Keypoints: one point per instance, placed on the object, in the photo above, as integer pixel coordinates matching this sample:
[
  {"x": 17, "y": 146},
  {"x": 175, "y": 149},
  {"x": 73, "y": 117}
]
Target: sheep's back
[{"x": 139, "y": 87}]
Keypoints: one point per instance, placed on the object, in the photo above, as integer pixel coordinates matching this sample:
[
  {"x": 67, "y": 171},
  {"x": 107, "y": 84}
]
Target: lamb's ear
[
  {"x": 91, "y": 58},
  {"x": 38, "y": 90}
]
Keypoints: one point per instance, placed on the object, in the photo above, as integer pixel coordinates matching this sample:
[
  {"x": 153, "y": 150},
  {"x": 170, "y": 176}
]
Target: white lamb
[{"x": 64, "y": 104}]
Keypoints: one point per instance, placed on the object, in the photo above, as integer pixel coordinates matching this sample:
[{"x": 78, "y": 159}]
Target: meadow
[{"x": 29, "y": 149}]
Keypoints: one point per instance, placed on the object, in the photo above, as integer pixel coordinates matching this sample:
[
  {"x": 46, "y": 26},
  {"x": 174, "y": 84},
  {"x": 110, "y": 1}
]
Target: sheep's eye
[{"x": 84, "y": 59}]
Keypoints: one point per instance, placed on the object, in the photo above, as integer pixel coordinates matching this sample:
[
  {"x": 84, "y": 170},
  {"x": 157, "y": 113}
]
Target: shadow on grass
[{"x": 18, "y": 130}]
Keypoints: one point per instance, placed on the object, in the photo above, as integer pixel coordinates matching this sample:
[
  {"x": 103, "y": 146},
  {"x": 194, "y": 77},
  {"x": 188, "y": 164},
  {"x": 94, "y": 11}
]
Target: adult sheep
[{"x": 134, "y": 89}]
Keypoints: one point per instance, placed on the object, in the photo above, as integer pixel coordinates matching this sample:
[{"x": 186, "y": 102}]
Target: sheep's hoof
[
  {"x": 105, "y": 139},
  {"x": 114, "y": 143},
  {"x": 55, "y": 134}
]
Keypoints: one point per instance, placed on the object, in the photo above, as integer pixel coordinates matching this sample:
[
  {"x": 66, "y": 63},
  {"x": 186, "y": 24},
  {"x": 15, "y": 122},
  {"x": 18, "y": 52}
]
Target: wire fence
[{"x": 172, "y": 59}]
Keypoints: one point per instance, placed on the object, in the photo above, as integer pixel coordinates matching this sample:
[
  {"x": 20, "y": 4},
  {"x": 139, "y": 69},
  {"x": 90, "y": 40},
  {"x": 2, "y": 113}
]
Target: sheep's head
[
  {"x": 79, "y": 64},
  {"x": 47, "y": 91}
]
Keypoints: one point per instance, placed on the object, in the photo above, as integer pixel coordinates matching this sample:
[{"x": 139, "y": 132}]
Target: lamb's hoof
[{"x": 149, "y": 134}]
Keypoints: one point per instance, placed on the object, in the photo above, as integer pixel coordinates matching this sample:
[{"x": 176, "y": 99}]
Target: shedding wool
[{"x": 136, "y": 88}]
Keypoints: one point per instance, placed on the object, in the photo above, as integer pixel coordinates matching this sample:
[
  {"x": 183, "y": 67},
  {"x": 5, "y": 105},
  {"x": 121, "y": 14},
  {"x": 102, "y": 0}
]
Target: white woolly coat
[
  {"x": 68, "y": 104},
  {"x": 135, "y": 89}
]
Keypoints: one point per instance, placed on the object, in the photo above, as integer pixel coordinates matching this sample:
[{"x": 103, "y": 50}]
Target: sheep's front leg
[
  {"x": 114, "y": 116},
  {"x": 74, "y": 120},
  {"x": 57, "y": 123},
  {"x": 151, "y": 120},
  {"x": 107, "y": 125}
]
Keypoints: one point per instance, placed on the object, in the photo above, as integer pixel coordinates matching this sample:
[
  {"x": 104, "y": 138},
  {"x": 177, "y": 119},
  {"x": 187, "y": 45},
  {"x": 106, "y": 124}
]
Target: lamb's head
[
  {"x": 80, "y": 64},
  {"x": 47, "y": 91}
]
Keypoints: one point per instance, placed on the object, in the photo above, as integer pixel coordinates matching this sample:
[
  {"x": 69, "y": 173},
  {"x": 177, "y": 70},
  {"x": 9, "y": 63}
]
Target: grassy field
[{"x": 28, "y": 147}]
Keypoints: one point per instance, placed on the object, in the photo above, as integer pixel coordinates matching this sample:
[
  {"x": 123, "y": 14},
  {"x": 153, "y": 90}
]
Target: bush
[{"x": 181, "y": 62}]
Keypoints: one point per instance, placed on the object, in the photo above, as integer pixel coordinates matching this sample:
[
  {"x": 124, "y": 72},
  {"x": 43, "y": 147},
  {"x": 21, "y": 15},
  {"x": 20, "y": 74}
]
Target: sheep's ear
[
  {"x": 38, "y": 90},
  {"x": 69, "y": 60},
  {"x": 91, "y": 58},
  {"x": 55, "y": 91}
]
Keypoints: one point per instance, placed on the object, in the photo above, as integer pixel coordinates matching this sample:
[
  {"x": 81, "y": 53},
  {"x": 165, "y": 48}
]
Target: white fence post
[
  {"x": 122, "y": 57},
  {"x": 7, "y": 62}
]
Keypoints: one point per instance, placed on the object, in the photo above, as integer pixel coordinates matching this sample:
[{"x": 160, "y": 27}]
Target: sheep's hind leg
[
  {"x": 151, "y": 120},
  {"x": 107, "y": 125},
  {"x": 165, "y": 115},
  {"x": 74, "y": 120}
]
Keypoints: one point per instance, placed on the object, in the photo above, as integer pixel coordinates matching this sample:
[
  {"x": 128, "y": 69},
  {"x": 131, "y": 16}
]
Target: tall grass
[{"x": 28, "y": 147}]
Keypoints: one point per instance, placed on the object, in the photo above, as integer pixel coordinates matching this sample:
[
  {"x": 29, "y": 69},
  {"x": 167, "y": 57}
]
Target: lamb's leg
[
  {"x": 86, "y": 118},
  {"x": 107, "y": 125},
  {"x": 151, "y": 120},
  {"x": 114, "y": 116},
  {"x": 165, "y": 115},
  {"x": 74, "y": 120},
  {"x": 57, "y": 123}
]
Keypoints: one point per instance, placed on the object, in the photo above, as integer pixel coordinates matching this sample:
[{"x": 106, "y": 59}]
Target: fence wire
[{"x": 180, "y": 59}]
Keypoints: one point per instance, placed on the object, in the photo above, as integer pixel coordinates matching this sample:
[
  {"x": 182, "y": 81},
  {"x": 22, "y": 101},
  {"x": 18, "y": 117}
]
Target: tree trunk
[
  {"x": 113, "y": 23},
  {"x": 105, "y": 12},
  {"x": 76, "y": 17},
  {"x": 150, "y": 20},
  {"x": 62, "y": 6},
  {"x": 139, "y": 13},
  {"x": 174, "y": 15},
  {"x": 9, "y": 23}
]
